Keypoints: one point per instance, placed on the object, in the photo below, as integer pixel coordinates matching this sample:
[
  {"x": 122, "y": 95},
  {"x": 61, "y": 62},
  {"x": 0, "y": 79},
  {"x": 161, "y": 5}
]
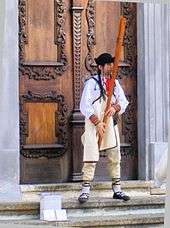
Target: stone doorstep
[
  {"x": 72, "y": 190},
  {"x": 128, "y": 185},
  {"x": 157, "y": 191},
  {"x": 66, "y": 196},
  {"x": 139, "y": 210},
  {"x": 28, "y": 208},
  {"x": 109, "y": 202},
  {"x": 117, "y": 221},
  {"x": 148, "y": 201}
]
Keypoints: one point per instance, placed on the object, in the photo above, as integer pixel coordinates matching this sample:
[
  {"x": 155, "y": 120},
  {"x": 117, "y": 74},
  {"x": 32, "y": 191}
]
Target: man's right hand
[{"x": 100, "y": 129}]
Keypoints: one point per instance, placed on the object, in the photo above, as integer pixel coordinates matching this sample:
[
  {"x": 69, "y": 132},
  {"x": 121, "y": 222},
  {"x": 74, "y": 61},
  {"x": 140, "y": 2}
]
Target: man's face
[{"x": 106, "y": 70}]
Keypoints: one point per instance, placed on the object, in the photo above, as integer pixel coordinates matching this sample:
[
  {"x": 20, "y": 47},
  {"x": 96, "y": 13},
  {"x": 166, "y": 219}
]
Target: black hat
[{"x": 104, "y": 58}]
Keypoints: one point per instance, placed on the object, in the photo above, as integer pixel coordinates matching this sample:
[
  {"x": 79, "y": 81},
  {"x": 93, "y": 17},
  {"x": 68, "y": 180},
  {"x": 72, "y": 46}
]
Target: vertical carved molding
[
  {"x": 76, "y": 118},
  {"x": 23, "y": 38},
  {"x": 90, "y": 16},
  {"x": 129, "y": 127},
  {"x": 128, "y": 10},
  {"x": 60, "y": 35},
  {"x": 77, "y": 53}
]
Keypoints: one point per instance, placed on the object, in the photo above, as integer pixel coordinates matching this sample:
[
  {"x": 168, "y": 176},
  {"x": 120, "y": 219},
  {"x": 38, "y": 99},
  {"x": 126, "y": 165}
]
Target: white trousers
[{"x": 113, "y": 164}]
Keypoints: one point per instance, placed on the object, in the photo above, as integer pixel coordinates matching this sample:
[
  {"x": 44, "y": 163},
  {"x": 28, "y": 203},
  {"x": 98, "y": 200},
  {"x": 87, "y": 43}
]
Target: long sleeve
[
  {"x": 120, "y": 96},
  {"x": 87, "y": 97}
]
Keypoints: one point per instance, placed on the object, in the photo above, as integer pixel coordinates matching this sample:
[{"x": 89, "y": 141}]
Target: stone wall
[
  {"x": 153, "y": 85},
  {"x": 9, "y": 104}
]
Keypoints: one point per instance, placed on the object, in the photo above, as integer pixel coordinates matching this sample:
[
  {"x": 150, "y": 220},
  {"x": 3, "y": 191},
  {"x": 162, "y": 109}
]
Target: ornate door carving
[
  {"x": 45, "y": 102},
  {"x": 58, "y": 41},
  {"x": 127, "y": 78},
  {"x": 100, "y": 19}
]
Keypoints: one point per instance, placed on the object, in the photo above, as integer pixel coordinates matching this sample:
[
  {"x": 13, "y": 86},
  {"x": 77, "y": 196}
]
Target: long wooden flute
[{"x": 119, "y": 43}]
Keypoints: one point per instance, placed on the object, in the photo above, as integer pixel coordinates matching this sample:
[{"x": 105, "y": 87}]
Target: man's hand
[
  {"x": 116, "y": 106},
  {"x": 111, "y": 111},
  {"x": 100, "y": 129}
]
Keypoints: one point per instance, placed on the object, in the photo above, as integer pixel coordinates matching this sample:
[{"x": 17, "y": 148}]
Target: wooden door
[
  {"x": 58, "y": 41},
  {"x": 98, "y": 35},
  {"x": 46, "y": 94},
  {"x": 107, "y": 15}
]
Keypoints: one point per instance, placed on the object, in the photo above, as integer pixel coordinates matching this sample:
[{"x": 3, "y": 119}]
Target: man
[{"x": 92, "y": 106}]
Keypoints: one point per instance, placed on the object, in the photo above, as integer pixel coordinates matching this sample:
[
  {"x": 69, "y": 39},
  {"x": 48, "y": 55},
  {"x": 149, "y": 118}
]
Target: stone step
[
  {"x": 30, "y": 208},
  {"x": 158, "y": 190},
  {"x": 105, "y": 185},
  {"x": 99, "y": 189},
  {"x": 99, "y": 203},
  {"x": 71, "y": 190},
  {"x": 100, "y": 211},
  {"x": 101, "y": 196},
  {"x": 137, "y": 218}
]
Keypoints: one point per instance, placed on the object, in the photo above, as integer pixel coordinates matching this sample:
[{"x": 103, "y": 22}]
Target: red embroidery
[
  {"x": 107, "y": 82},
  {"x": 107, "y": 85}
]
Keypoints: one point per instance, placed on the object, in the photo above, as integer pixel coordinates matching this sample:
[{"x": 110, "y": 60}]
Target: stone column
[
  {"x": 153, "y": 85},
  {"x": 9, "y": 104}
]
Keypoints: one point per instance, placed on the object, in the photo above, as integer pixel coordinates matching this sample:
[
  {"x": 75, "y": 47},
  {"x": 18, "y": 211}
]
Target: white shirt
[{"x": 91, "y": 92}]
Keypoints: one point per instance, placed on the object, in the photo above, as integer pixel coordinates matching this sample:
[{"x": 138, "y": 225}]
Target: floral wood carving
[
  {"x": 128, "y": 10},
  {"x": 43, "y": 71},
  {"x": 90, "y": 16},
  {"x": 130, "y": 122},
  {"x": 77, "y": 53},
  {"x": 60, "y": 125}
]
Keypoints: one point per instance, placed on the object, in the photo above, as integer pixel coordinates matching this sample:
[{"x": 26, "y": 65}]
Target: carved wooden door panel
[
  {"x": 104, "y": 40},
  {"x": 98, "y": 34},
  {"x": 58, "y": 40},
  {"x": 45, "y": 91},
  {"x": 105, "y": 34}
]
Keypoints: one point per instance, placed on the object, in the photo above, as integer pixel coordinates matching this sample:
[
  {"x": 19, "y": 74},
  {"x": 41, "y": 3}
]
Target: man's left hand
[{"x": 111, "y": 111}]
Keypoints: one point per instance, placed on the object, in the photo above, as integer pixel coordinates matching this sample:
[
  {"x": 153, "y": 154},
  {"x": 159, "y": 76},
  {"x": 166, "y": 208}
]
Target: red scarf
[{"x": 107, "y": 84}]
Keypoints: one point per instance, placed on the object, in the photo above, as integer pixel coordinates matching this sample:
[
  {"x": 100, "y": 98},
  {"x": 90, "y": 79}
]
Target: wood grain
[{"x": 41, "y": 121}]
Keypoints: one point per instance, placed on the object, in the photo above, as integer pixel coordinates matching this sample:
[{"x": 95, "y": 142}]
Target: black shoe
[
  {"x": 121, "y": 195},
  {"x": 83, "y": 197}
]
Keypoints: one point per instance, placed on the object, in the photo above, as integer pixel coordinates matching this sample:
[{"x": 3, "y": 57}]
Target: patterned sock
[
  {"x": 86, "y": 188},
  {"x": 116, "y": 185}
]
